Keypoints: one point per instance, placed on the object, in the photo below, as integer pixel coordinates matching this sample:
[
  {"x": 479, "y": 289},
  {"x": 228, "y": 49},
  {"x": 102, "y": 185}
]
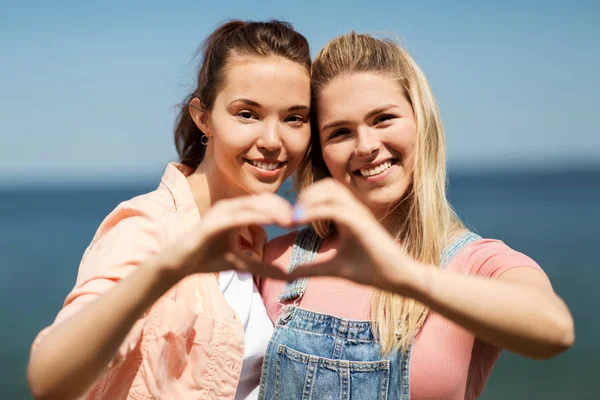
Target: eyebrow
[
  {"x": 299, "y": 108},
  {"x": 245, "y": 101},
  {"x": 379, "y": 110},
  {"x": 370, "y": 114},
  {"x": 252, "y": 103},
  {"x": 334, "y": 125}
]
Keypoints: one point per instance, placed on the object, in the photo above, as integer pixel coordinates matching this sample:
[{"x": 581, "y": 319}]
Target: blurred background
[{"x": 88, "y": 96}]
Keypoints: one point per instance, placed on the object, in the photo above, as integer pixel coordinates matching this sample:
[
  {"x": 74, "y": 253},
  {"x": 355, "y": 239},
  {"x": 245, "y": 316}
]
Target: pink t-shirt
[{"x": 447, "y": 362}]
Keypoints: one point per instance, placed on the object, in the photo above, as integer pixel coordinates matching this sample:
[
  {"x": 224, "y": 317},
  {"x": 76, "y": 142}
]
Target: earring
[{"x": 204, "y": 140}]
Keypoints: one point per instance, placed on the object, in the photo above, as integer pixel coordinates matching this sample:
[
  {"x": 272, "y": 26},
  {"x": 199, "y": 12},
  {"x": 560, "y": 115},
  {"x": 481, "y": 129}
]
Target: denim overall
[{"x": 318, "y": 356}]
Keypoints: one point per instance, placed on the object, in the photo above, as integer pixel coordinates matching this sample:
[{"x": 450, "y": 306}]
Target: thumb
[
  {"x": 256, "y": 267},
  {"x": 325, "y": 268}
]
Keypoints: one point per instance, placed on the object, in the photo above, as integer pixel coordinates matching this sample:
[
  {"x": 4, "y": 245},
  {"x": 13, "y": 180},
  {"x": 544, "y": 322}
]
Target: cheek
[
  {"x": 232, "y": 138},
  {"x": 409, "y": 152},
  {"x": 404, "y": 140},
  {"x": 295, "y": 142},
  {"x": 335, "y": 160}
]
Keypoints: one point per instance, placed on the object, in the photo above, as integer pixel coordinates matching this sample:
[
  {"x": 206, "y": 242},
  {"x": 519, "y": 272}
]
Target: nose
[
  {"x": 367, "y": 143},
  {"x": 270, "y": 138}
]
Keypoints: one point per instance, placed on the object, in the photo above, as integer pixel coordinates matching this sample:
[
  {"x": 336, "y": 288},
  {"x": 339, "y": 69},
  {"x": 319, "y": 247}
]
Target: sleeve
[
  {"x": 124, "y": 241},
  {"x": 491, "y": 258}
]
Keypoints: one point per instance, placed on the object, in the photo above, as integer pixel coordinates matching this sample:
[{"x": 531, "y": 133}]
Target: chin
[
  {"x": 384, "y": 199},
  {"x": 263, "y": 187}
]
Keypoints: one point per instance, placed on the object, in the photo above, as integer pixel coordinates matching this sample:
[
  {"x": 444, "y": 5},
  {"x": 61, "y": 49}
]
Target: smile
[
  {"x": 266, "y": 165},
  {"x": 376, "y": 170}
]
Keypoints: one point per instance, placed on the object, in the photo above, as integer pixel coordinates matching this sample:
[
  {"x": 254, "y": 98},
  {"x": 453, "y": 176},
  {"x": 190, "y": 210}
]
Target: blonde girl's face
[{"x": 368, "y": 134}]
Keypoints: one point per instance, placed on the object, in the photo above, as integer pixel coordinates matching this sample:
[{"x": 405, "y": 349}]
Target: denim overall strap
[
  {"x": 307, "y": 244},
  {"x": 304, "y": 250},
  {"x": 313, "y": 355},
  {"x": 455, "y": 246}
]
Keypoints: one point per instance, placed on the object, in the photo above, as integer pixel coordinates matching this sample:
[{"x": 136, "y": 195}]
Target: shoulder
[
  {"x": 491, "y": 258},
  {"x": 154, "y": 204},
  {"x": 129, "y": 235},
  {"x": 140, "y": 216}
]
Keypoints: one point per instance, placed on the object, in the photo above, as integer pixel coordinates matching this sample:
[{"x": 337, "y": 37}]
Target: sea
[{"x": 551, "y": 215}]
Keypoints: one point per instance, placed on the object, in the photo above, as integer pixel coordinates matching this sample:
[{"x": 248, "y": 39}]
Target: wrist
[
  {"x": 168, "y": 269},
  {"x": 416, "y": 282}
]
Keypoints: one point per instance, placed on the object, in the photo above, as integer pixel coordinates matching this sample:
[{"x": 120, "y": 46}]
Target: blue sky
[{"x": 88, "y": 90}]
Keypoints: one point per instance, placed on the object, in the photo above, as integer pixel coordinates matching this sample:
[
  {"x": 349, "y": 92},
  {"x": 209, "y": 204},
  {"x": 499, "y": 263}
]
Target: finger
[
  {"x": 245, "y": 252},
  {"x": 342, "y": 217},
  {"x": 230, "y": 219},
  {"x": 279, "y": 209},
  {"x": 326, "y": 190},
  {"x": 275, "y": 207},
  {"x": 267, "y": 270},
  {"x": 256, "y": 267},
  {"x": 259, "y": 237},
  {"x": 236, "y": 262},
  {"x": 332, "y": 195},
  {"x": 325, "y": 268},
  {"x": 252, "y": 238},
  {"x": 245, "y": 234}
]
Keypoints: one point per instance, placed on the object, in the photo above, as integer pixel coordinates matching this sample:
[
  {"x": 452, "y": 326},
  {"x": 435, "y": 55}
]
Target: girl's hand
[
  {"x": 366, "y": 252},
  {"x": 230, "y": 236}
]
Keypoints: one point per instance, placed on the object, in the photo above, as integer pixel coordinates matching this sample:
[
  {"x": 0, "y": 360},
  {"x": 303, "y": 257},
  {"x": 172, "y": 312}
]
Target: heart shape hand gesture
[{"x": 231, "y": 237}]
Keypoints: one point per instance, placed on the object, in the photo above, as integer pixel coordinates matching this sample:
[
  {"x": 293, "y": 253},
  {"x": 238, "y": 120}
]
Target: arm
[
  {"x": 75, "y": 352},
  {"x": 122, "y": 276},
  {"x": 119, "y": 279},
  {"x": 519, "y": 311}
]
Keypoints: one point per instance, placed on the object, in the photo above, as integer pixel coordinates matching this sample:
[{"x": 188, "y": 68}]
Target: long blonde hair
[{"x": 428, "y": 219}]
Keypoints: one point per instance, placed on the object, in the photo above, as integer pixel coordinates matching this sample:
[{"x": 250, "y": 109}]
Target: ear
[{"x": 200, "y": 116}]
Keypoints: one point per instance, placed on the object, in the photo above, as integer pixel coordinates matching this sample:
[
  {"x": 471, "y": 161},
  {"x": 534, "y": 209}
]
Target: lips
[
  {"x": 267, "y": 165},
  {"x": 375, "y": 168}
]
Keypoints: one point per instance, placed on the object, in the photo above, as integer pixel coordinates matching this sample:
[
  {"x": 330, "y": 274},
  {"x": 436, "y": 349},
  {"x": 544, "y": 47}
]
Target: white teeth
[
  {"x": 264, "y": 165},
  {"x": 377, "y": 170}
]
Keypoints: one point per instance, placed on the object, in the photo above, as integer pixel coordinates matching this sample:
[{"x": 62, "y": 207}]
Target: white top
[{"x": 241, "y": 293}]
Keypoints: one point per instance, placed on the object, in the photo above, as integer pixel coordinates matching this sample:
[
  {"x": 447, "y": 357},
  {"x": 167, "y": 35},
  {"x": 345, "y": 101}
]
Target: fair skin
[
  {"x": 270, "y": 125},
  {"x": 265, "y": 103},
  {"x": 372, "y": 125},
  {"x": 364, "y": 120}
]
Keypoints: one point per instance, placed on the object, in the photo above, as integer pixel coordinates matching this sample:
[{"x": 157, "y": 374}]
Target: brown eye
[
  {"x": 295, "y": 120},
  {"x": 383, "y": 118},
  {"x": 246, "y": 115},
  {"x": 338, "y": 133}
]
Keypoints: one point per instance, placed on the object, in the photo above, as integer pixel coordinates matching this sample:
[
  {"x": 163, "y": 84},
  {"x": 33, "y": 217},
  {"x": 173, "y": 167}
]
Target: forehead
[
  {"x": 266, "y": 79},
  {"x": 351, "y": 96}
]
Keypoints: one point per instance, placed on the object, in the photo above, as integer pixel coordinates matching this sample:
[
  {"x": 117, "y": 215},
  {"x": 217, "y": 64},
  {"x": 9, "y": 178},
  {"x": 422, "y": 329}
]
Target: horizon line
[{"x": 114, "y": 181}]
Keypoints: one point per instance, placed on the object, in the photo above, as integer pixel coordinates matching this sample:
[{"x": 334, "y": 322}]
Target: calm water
[{"x": 553, "y": 217}]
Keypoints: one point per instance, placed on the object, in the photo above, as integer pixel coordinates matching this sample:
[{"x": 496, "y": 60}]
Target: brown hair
[
  {"x": 428, "y": 221},
  {"x": 241, "y": 38}
]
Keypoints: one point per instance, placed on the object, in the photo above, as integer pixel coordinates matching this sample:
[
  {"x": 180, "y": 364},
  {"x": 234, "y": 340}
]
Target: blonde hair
[{"x": 429, "y": 219}]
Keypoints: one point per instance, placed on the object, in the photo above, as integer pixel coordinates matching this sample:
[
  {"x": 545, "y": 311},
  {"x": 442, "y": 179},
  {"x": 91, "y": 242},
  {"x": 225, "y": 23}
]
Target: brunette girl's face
[{"x": 258, "y": 127}]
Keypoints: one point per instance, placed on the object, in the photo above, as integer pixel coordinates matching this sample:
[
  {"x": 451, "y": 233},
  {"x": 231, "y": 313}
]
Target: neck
[
  {"x": 209, "y": 185},
  {"x": 392, "y": 217}
]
